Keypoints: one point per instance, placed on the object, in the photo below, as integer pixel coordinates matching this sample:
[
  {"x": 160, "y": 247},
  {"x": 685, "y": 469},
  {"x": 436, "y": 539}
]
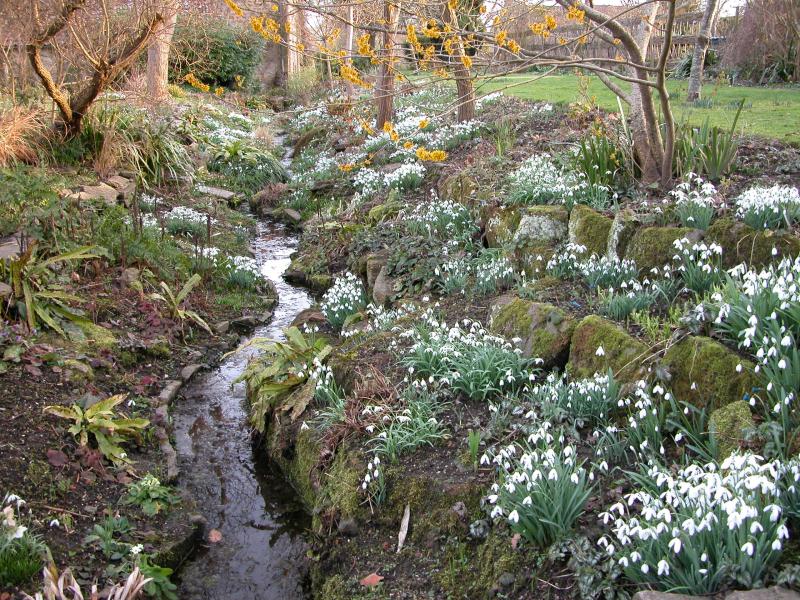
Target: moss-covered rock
[
  {"x": 387, "y": 210},
  {"x": 654, "y": 246},
  {"x": 729, "y": 424},
  {"x": 500, "y": 224},
  {"x": 544, "y": 330},
  {"x": 622, "y": 229},
  {"x": 86, "y": 334},
  {"x": 459, "y": 187},
  {"x": 589, "y": 228},
  {"x": 742, "y": 243},
  {"x": 704, "y": 372},
  {"x": 624, "y": 355}
]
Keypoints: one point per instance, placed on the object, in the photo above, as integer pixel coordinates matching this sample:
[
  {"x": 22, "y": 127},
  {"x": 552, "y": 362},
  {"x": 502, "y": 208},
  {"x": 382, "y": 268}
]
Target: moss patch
[
  {"x": 623, "y": 354},
  {"x": 589, "y": 228},
  {"x": 653, "y": 246},
  {"x": 475, "y": 572},
  {"x": 741, "y": 243},
  {"x": 728, "y": 425},
  {"x": 544, "y": 329},
  {"x": 711, "y": 367}
]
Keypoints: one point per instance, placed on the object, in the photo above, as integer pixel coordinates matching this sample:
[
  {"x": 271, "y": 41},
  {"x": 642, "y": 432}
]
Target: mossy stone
[
  {"x": 85, "y": 333},
  {"x": 704, "y": 372},
  {"x": 729, "y": 424},
  {"x": 459, "y": 187},
  {"x": 589, "y": 228},
  {"x": 742, "y": 243},
  {"x": 621, "y": 353},
  {"x": 544, "y": 330},
  {"x": 384, "y": 211},
  {"x": 500, "y": 224},
  {"x": 79, "y": 371},
  {"x": 653, "y": 247}
]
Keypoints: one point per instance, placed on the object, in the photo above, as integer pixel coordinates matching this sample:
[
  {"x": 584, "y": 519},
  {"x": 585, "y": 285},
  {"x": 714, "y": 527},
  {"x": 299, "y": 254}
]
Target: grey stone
[
  {"x": 226, "y": 195},
  {"x": 169, "y": 392},
  {"x": 222, "y": 327},
  {"x": 622, "y": 229},
  {"x": 118, "y": 182},
  {"x": 542, "y": 225},
  {"x": 506, "y": 580},
  {"x": 348, "y": 527},
  {"x": 383, "y": 288},
  {"x": 5, "y": 290},
  {"x": 772, "y": 593},
  {"x": 375, "y": 263},
  {"x": 129, "y": 276},
  {"x": 189, "y": 370},
  {"x": 651, "y": 595},
  {"x": 9, "y": 248}
]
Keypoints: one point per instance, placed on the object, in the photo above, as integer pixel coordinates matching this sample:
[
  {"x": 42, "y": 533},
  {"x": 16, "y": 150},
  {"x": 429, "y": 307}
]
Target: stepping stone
[{"x": 226, "y": 195}]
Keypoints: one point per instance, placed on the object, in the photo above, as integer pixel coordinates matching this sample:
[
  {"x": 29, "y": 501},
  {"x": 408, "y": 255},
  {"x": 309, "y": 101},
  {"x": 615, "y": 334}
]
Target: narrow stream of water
[{"x": 261, "y": 521}]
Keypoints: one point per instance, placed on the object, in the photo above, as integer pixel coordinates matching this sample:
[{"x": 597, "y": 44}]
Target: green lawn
[{"x": 768, "y": 112}]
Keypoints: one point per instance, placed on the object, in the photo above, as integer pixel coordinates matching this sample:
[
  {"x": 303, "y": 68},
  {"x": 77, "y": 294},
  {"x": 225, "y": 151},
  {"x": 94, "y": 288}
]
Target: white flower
[
  {"x": 55, "y": 523},
  {"x": 663, "y": 567},
  {"x": 137, "y": 549},
  {"x": 600, "y": 351},
  {"x": 513, "y": 516},
  {"x": 748, "y": 549}
]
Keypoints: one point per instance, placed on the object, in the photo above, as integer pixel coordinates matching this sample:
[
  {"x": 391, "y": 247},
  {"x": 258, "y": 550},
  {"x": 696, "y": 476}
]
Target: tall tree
[
  {"x": 384, "y": 90},
  {"x": 158, "y": 53},
  {"x": 700, "y": 49}
]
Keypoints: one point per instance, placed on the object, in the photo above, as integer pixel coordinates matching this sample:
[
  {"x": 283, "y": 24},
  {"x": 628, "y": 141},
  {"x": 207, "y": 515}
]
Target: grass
[{"x": 772, "y": 112}]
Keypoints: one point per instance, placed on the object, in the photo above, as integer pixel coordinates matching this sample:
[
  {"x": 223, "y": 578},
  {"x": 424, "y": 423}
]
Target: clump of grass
[{"x": 21, "y": 130}]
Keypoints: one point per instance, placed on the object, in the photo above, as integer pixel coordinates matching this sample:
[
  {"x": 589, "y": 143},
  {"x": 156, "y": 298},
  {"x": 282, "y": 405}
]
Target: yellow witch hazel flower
[
  {"x": 431, "y": 155},
  {"x": 235, "y": 8}
]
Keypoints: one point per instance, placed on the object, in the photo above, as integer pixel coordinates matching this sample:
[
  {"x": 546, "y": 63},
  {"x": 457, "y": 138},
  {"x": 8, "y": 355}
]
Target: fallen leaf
[
  {"x": 371, "y": 580},
  {"x": 57, "y": 458},
  {"x": 214, "y": 536},
  {"x": 401, "y": 537},
  {"x": 515, "y": 540}
]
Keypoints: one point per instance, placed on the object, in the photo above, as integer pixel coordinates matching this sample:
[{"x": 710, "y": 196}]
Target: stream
[{"x": 262, "y": 522}]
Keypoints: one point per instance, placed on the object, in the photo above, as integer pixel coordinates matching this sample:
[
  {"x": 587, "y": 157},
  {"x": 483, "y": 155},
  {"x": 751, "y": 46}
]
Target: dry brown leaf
[{"x": 371, "y": 580}]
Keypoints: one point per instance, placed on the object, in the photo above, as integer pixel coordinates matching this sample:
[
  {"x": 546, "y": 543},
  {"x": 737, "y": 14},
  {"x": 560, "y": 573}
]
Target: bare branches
[{"x": 104, "y": 68}]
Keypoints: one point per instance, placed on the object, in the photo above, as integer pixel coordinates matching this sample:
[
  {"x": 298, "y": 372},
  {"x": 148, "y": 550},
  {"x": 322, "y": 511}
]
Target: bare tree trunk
[
  {"x": 644, "y": 128},
  {"x": 464, "y": 87},
  {"x": 384, "y": 90},
  {"x": 158, "y": 54},
  {"x": 466, "y": 93},
  {"x": 348, "y": 36},
  {"x": 700, "y": 47}
]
